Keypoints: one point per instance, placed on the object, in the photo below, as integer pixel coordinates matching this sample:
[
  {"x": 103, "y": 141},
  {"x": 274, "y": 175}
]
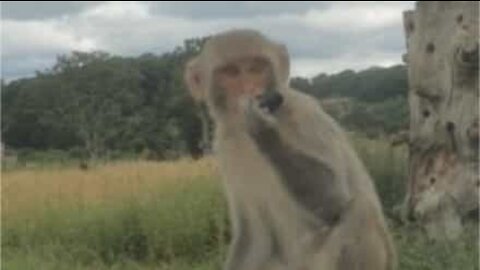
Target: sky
[{"x": 321, "y": 37}]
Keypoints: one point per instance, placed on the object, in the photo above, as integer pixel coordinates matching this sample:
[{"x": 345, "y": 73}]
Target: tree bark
[{"x": 442, "y": 45}]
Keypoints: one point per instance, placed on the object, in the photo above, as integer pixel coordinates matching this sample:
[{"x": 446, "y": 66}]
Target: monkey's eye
[{"x": 230, "y": 70}]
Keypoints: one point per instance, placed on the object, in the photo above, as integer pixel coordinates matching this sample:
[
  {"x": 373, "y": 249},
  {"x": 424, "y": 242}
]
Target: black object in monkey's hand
[{"x": 270, "y": 101}]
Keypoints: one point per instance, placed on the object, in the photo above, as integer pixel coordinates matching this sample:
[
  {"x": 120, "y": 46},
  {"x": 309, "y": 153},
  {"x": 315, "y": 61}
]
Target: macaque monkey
[{"x": 299, "y": 197}]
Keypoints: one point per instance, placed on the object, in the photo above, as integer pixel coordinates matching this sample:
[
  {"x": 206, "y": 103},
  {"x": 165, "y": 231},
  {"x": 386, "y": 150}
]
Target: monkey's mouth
[{"x": 270, "y": 101}]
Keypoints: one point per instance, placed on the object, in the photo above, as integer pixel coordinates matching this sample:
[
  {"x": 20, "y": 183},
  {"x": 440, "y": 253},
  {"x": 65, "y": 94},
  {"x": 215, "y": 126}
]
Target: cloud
[
  {"x": 310, "y": 67},
  {"x": 29, "y": 46},
  {"x": 321, "y": 37},
  {"x": 37, "y": 10},
  {"x": 356, "y": 16},
  {"x": 128, "y": 28},
  {"x": 208, "y": 10},
  {"x": 23, "y": 38}
]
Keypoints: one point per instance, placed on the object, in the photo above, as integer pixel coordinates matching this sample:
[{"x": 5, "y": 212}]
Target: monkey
[{"x": 299, "y": 198}]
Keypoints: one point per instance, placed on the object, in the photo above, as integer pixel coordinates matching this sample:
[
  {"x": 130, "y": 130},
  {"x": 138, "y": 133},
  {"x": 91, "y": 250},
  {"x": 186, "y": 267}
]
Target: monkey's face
[
  {"x": 247, "y": 77},
  {"x": 238, "y": 66}
]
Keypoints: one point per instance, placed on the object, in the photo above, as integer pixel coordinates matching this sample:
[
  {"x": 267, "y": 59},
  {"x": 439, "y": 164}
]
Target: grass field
[{"x": 171, "y": 215}]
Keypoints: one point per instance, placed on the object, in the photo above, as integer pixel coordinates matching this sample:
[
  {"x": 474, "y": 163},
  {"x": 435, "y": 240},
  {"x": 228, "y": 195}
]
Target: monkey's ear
[
  {"x": 194, "y": 79},
  {"x": 284, "y": 62}
]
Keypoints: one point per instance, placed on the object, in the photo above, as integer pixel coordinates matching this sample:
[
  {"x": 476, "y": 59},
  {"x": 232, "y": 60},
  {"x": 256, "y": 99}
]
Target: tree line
[{"x": 96, "y": 104}]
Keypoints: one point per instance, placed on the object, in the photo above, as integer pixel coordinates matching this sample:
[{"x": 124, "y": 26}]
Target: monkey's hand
[{"x": 260, "y": 112}]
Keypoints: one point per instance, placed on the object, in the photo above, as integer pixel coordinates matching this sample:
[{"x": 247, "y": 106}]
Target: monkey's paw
[{"x": 260, "y": 113}]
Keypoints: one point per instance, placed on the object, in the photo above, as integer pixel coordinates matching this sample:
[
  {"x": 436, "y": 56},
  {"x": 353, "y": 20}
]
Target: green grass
[
  {"x": 387, "y": 166},
  {"x": 185, "y": 226},
  {"x": 418, "y": 252}
]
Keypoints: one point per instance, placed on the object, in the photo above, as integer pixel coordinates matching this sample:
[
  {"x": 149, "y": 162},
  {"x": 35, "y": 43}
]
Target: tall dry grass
[{"x": 29, "y": 190}]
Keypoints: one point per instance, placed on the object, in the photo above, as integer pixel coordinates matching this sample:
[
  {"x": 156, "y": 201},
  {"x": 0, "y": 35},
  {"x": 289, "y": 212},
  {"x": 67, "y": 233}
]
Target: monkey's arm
[{"x": 299, "y": 143}]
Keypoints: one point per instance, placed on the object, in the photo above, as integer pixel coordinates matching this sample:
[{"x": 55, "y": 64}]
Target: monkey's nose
[{"x": 270, "y": 100}]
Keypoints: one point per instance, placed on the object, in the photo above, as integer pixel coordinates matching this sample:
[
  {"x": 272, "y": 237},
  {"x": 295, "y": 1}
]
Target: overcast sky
[{"x": 321, "y": 36}]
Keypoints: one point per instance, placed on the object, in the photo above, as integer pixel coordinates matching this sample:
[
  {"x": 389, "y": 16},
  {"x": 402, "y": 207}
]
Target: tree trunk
[{"x": 442, "y": 44}]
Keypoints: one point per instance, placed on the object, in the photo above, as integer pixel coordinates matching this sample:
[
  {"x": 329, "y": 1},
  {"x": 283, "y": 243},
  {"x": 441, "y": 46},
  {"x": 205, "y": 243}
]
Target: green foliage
[
  {"x": 102, "y": 103},
  {"x": 370, "y": 85},
  {"x": 377, "y": 98},
  {"x": 376, "y": 119},
  {"x": 31, "y": 115}
]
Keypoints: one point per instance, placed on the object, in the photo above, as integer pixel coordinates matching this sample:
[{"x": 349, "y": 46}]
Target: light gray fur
[{"x": 299, "y": 197}]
